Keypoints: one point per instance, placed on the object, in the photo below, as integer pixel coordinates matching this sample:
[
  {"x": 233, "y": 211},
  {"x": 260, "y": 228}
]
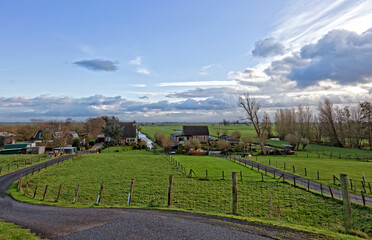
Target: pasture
[
  {"x": 13, "y": 162},
  {"x": 266, "y": 200}
]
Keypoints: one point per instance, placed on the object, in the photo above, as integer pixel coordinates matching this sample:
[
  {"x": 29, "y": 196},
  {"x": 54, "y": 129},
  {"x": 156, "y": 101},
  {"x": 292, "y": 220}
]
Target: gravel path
[
  {"x": 104, "y": 223},
  {"x": 315, "y": 186}
]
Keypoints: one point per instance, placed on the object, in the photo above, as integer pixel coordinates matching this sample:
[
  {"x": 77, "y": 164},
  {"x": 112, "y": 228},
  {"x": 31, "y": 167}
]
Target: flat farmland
[{"x": 266, "y": 200}]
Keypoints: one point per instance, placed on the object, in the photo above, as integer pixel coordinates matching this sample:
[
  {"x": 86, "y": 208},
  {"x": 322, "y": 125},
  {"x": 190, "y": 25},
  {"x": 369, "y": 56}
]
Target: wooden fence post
[
  {"x": 19, "y": 182},
  {"x": 170, "y": 190},
  {"x": 35, "y": 190},
  {"x": 234, "y": 193},
  {"x": 305, "y": 172},
  {"x": 330, "y": 190},
  {"x": 321, "y": 189},
  {"x": 100, "y": 194},
  {"x": 294, "y": 181},
  {"x": 59, "y": 192},
  {"x": 317, "y": 172},
  {"x": 346, "y": 200},
  {"x": 76, "y": 194},
  {"x": 130, "y": 192},
  {"x": 45, "y": 192},
  {"x": 262, "y": 178},
  {"x": 364, "y": 200},
  {"x": 308, "y": 185},
  {"x": 294, "y": 170},
  {"x": 351, "y": 184}
]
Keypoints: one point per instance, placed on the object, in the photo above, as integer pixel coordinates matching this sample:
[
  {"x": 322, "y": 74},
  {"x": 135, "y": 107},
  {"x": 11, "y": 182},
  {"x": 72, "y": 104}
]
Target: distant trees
[
  {"x": 114, "y": 130},
  {"x": 236, "y": 135},
  {"x": 94, "y": 126},
  {"x": 346, "y": 126},
  {"x": 223, "y": 145},
  {"x": 366, "y": 118}
]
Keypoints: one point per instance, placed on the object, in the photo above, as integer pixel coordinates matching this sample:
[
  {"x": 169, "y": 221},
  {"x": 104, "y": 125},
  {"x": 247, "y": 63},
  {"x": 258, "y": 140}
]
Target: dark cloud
[
  {"x": 144, "y": 97},
  {"x": 97, "y": 65},
  {"x": 267, "y": 47},
  {"x": 342, "y": 56}
]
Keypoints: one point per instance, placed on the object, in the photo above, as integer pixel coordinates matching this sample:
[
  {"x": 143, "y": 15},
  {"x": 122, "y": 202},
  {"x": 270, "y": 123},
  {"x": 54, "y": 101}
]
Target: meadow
[
  {"x": 13, "y": 162},
  {"x": 266, "y": 200}
]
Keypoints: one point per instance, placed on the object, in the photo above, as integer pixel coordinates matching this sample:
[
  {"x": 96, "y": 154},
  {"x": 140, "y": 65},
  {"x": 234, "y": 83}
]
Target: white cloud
[
  {"x": 204, "y": 69},
  {"x": 137, "y": 62}
]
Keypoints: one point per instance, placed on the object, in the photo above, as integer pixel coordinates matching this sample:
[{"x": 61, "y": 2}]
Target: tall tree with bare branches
[
  {"x": 327, "y": 117},
  {"x": 252, "y": 108}
]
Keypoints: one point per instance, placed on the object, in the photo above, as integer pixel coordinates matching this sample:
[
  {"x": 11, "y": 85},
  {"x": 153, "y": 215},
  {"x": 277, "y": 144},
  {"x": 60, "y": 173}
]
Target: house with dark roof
[
  {"x": 192, "y": 132},
  {"x": 129, "y": 133},
  {"x": 56, "y": 132}
]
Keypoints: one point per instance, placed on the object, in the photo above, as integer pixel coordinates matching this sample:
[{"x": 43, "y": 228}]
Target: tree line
[{"x": 336, "y": 126}]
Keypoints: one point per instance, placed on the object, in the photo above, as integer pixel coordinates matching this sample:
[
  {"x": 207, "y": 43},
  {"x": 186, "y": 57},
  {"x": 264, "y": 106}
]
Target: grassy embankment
[
  {"x": 269, "y": 201},
  {"x": 14, "y": 232},
  {"x": 13, "y": 161}
]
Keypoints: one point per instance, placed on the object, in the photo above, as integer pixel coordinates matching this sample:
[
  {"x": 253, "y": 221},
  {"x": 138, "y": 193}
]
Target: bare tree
[
  {"x": 366, "y": 108},
  {"x": 327, "y": 117},
  {"x": 252, "y": 108}
]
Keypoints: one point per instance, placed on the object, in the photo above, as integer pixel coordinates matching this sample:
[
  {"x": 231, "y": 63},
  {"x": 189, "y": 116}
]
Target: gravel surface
[{"x": 104, "y": 223}]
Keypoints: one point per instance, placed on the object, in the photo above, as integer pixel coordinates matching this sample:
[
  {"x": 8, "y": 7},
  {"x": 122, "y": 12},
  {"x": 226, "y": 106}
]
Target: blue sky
[{"x": 180, "y": 60}]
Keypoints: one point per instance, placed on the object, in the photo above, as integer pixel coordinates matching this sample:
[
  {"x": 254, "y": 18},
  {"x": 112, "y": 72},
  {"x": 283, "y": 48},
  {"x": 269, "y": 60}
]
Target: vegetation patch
[{"x": 13, "y": 232}]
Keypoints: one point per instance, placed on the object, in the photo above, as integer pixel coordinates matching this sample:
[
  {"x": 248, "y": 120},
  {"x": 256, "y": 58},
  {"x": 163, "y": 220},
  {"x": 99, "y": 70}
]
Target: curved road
[{"x": 104, "y": 223}]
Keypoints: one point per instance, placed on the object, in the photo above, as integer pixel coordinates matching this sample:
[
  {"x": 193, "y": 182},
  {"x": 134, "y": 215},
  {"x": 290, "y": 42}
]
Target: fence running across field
[
  {"x": 309, "y": 184},
  {"x": 257, "y": 195}
]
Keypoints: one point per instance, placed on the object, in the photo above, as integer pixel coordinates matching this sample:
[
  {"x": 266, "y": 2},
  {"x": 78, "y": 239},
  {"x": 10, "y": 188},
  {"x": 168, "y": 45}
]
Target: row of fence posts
[
  {"x": 18, "y": 164},
  {"x": 343, "y": 179},
  {"x": 363, "y": 183}
]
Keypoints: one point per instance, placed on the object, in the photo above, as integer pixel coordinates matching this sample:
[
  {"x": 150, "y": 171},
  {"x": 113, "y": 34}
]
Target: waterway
[{"x": 148, "y": 141}]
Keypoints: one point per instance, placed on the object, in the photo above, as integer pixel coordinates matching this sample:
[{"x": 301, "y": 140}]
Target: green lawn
[
  {"x": 326, "y": 166},
  {"x": 10, "y": 231},
  {"x": 13, "y": 162},
  {"x": 266, "y": 200}
]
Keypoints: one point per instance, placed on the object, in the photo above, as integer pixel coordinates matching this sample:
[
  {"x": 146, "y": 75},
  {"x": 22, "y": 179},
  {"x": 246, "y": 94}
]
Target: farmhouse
[
  {"x": 6, "y": 138},
  {"x": 56, "y": 132},
  {"x": 129, "y": 133},
  {"x": 192, "y": 132}
]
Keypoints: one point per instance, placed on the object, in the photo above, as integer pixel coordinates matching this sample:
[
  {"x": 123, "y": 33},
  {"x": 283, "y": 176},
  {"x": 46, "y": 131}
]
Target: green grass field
[
  {"x": 267, "y": 200},
  {"x": 13, "y": 232},
  {"x": 326, "y": 166},
  {"x": 245, "y": 130},
  {"x": 13, "y": 162}
]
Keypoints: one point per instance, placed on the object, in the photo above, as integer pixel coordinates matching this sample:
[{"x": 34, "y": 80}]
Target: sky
[{"x": 180, "y": 61}]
